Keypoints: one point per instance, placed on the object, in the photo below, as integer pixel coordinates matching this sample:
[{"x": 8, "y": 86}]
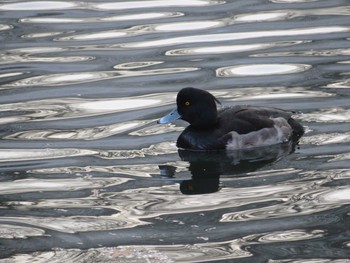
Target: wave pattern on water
[{"x": 86, "y": 173}]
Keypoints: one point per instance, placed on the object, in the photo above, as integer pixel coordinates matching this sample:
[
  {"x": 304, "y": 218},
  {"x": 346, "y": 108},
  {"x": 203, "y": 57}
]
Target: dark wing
[{"x": 245, "y": 119}]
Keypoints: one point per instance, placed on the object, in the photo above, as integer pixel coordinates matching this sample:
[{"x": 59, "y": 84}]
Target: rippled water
[{"x": 88, "y": 176}]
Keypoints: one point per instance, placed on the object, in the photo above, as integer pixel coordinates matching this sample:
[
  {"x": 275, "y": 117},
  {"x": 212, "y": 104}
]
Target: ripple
[
  {"x": 340, "y": 195},
  {"x": 156, "y": 3},
  {"x": 108, "y": 254},
  {"x": 327, "y": 138},
  {"x": 53, "y": 109},
  {"x": 13, "y": 231},
  {"x": 93, "y": 133},
  {"x": 11, "y": 74},
  {"x": 25, "y": 55},
  {"x": 255, "y": 93},
  {"x": 145, "y": 29},
  {"x": 290, "y": 14},
  {"x": 10, "y": 58},
  {"x": 339, "y": 85},
  {"x": 137, "y": 64},
  {"x": 86, "y": 77},
  {"x": 38, "y": 5},
  {"x": 292, "y": 1},
  {"x": 234, "y": 36},
  {"x": 99, "y": 35},
  {"x": 184, "y": 26},
  {"x": 39, "y": 35},
  {"x": 284, "y": 236},
  {"x": 137, "y": 170},
  {"x": 154, "y": 201},
  {"x": 141, "y": 16},
  {"x": 308, "y": 197},
  {"x": 261, "y": 70},
  {"x": 153, "y": 150},
  {"x": 76, "y": 224},
  {"x": 229, "y": 48},
  {"x": 266, "y": 16},
  {"x": 43, "y": 185},
  {"x": 157, "y": 253},
  {"x": 155, "y": 129},
  {"x": 308, "y": 53},
  {"x": 333, "y": 115},
  {"x": 5, "y": 27},
  {"x": 310, "y": 260},
  {"x": 7, "y": 155}
]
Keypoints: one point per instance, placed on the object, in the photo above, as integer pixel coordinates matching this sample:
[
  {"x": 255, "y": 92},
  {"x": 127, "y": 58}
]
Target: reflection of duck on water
[
  {"x": 207, "y": 167},
  {"x": 257, "y": 136}
]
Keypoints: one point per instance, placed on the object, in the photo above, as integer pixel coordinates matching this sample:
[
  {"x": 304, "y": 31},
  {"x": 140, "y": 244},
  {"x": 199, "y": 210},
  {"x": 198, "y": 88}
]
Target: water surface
[{"x": 88, "y": 175}]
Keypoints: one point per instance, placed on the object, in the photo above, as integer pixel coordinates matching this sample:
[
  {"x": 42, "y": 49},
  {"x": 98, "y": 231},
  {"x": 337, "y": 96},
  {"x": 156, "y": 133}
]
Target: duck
[{"x": 229, "y": 128}]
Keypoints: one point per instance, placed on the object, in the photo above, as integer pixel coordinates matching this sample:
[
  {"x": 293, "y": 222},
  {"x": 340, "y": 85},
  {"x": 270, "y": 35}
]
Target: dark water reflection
[
  {"x": 86, "y": 174},
  {"x": 206, "y": 168}
]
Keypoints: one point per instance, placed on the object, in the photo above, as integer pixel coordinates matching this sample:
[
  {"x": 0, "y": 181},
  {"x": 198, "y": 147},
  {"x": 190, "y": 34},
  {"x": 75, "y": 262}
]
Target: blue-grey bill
[{"x": 172, "y": 116}]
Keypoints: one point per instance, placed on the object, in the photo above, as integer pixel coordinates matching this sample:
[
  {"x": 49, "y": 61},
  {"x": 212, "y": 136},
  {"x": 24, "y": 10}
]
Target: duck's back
[{"x": 242, "y": 127}]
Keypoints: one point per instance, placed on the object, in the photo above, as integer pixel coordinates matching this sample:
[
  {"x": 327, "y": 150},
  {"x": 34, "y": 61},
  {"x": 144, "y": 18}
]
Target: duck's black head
[{"x": 198, "y": 107}]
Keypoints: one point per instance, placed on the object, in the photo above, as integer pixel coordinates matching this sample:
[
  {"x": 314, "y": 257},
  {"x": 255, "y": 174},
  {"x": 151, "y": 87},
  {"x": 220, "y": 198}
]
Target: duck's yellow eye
[{"x": 187, "y": 103}]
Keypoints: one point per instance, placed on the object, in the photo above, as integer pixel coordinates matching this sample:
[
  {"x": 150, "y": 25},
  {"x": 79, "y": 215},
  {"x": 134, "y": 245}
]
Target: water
[{"x": 88, "y": 176}]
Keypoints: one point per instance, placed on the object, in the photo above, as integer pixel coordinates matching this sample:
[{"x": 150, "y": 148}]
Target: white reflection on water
[
  {"x": 7, "y": 155},
  {"x": 38, "y": 5},
  {"x": 326, "y": 138},
  {"x": 155, "y": 3},
  {"x": 153, "y": 150},
  {"x": 42, "y": 185},
  {"x": 331, "y": 115},
  {"x": 310, "y": 260},
  {"x": 198, "y": 252},
  {"x": 11, "y": 74},
  {"x": 291, "y": 13},
  {"x": 12, "y": 58},
  {"x": 261, "y": 69},
  {"x": 256, "y": 93},
  {"x": 13, "y": 231},
  {"x": 338, "y": 195},
  {"x": 309, "y": 197},
  {"x": 53, "y": 109},
  {"x": 93, "y": 133},
  {"x": 38, "y": 35},
  {"x": 5, "y": 27},
  {"x": 74, "y": 224},
  {"x": 229, "y": 48},
  {"x": 85, "y": 77},
  {"x": 308, "y": 53},
  {"x": 235, "y": 36},
  {"x": 155, "y": 129},
  {"x": 141, "y": 16},
  {"x": 157, "y": 253},
  {"x": 339, "y": 85},
  {"x": 12, "y": 155},
  {"x": 146, "y": 29},
  {"x": 25, "y": 55},
  {"x": 284, "y": 236},
  {"x": 137, "y": 64},
  {"x": 137, "y": 170}
]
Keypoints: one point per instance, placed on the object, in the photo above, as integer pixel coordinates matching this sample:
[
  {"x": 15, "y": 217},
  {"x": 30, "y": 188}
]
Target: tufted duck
[{"x": 230, "y": 128}]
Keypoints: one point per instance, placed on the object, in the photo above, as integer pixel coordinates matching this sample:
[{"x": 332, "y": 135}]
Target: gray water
[{"x": 87, "y": 175}]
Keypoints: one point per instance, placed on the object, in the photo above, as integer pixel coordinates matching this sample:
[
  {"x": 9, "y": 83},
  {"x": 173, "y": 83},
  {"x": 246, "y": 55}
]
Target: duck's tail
[{"x": 298, "y": 129}]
